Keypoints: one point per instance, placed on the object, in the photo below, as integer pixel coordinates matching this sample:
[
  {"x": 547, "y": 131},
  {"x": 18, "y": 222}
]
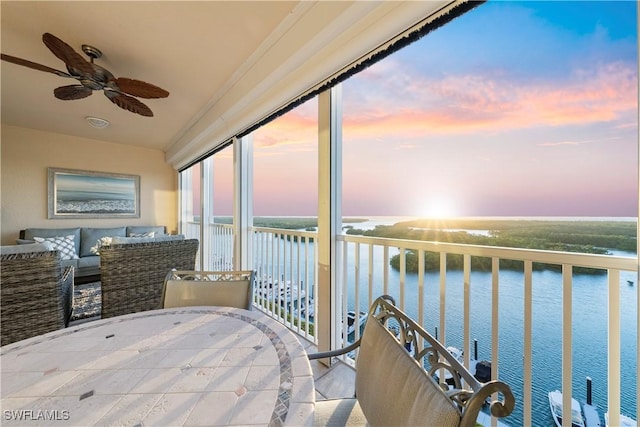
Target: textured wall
[{"x": 26, "y": 154}]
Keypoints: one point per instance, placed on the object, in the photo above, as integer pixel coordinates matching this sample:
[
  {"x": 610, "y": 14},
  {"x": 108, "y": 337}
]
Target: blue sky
[{"x": 513, "y": 109}]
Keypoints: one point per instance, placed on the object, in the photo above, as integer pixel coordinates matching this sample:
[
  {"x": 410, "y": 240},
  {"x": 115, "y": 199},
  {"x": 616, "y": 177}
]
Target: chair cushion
[
  {"x": 393, "y": 389},
  {"x": 24, "y": 242},
  {"x": 185, "y": 293},
  {"x": 24, "y": 248},
  {"x": 161, "y": 238},
  {"x": 89, "y": 261},
  {"x": 338, "y": 412}
]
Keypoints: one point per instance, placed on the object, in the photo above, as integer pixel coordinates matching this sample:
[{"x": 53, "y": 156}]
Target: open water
[
  {"x": 589, "y": 331},
  {"x": 590, "y": 295}
]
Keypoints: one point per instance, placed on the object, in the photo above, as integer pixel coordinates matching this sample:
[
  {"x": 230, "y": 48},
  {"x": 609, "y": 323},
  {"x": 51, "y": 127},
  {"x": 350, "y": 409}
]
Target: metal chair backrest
[{"x": 220, "y": 288}]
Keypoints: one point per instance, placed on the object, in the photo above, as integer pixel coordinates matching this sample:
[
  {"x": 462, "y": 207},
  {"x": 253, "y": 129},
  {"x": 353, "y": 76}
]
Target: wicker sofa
[
  {"x": 36, "y": 293},
  {"x": 85, "y": 262},
  {"x": 133, "y": 274}
]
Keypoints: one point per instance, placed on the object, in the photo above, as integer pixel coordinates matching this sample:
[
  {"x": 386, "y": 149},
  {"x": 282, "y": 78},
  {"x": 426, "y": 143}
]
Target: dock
[
  {"x": 591, "y": 415},
  {"x": 484, "y": 420}
]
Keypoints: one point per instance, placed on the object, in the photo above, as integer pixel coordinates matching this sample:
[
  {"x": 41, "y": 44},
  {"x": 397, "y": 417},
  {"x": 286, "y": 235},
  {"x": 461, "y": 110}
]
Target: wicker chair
[
  {"x": 36, "y": 294},
  {"x": 222, "y": 288},
  {"x": 133, "y": 274}
]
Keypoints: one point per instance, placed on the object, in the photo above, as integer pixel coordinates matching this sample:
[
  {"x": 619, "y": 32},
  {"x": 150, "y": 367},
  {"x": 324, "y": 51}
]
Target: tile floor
[{"x": 331, "y": 383}]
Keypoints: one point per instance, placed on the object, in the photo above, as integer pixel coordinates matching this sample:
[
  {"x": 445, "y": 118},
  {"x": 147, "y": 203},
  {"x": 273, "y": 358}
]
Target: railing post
[
  {"x": 613, "y": 348},
  {"x": 567, "y": 370}
]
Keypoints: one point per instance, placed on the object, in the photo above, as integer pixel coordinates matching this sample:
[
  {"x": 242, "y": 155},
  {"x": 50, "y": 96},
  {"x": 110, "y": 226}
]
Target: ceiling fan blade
[
  {"x": 66, "y": 53},
  {"x": 140, "y": 89},
  {"x": 68, "y": 93},
  {"x": 128, "y": 103},
  {"x": 35, "y": 66}
]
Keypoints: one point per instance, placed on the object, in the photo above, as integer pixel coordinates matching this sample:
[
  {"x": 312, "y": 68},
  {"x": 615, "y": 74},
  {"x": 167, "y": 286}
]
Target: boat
[
  {"x": 625, "y": 421},
  {"x": 307, "y": 306},
  {"x": 555, "y": 402},
  {"x": 481, "y": 369},
  {"x": 351, "y": 321}
]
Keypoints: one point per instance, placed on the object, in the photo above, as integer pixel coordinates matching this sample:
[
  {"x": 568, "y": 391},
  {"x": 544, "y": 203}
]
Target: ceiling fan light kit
[
  {"x": 97, "y": 122},
  {"x": 121, "y": 91}
]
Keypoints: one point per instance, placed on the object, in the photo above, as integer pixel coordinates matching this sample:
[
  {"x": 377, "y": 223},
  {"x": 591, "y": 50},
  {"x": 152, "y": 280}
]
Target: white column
[
  {"x": 329, "y": 214},
  {"x": 242, "y": 202},
  {"x": 185, "y": 198},
  {"x": 206, "y": 213}
]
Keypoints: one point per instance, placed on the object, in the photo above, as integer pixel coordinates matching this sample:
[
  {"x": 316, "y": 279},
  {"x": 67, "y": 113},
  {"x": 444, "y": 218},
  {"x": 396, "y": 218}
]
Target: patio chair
[
  {"x": 222, "y": 288},
  {"x": 400, "y": 379},
  {"x": 36, "y": 295},
  {"x": 133, "y": 273}
]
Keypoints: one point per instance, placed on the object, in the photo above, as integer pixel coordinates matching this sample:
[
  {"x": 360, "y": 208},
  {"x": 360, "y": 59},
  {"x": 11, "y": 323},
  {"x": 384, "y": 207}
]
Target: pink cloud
[
  {"x": 292, "y": 129},
  {"x": 409, "y": 106},
  {"x": 473, "y": 103}
]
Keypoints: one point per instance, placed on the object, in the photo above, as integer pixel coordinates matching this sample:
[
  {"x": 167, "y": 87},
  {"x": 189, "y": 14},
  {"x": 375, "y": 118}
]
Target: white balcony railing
[
  {"x": 285, "y": 264},
  {"x": 216, "y": 245},
  {"x": 541, "y": 329}
]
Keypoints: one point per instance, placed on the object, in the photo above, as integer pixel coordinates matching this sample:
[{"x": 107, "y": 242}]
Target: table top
[{"x": 170, "y": 367}]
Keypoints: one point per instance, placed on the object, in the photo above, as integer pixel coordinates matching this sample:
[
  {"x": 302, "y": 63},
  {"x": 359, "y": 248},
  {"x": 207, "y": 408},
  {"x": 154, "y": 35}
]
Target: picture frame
[{"x": 86, "y": 194}]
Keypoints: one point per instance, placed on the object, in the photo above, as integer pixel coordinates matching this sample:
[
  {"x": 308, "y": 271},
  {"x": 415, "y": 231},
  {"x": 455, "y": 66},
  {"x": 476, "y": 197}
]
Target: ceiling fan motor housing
[{"x": 96, "y": 81}]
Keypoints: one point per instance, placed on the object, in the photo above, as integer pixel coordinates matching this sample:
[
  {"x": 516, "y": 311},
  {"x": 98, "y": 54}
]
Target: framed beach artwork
[{"x": 86, "y": 194}]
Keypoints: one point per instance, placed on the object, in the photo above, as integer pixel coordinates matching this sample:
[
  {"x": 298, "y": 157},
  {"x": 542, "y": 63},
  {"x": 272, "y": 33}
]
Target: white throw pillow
[
  {"x": 103, "y": 241},
  {"x": 65, "y": 244}
]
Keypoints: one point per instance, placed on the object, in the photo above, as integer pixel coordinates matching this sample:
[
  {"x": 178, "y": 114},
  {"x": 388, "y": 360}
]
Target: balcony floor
[{"x": 331, "y": 383}]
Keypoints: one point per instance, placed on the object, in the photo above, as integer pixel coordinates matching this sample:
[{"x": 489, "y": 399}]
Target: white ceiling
[
  {"x": 223, "y": 62},
  {"x": 191, "y": 49}
]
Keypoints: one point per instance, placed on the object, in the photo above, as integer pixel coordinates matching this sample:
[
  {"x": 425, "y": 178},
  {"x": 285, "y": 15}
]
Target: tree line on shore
[{"x": 592, "y": 237}]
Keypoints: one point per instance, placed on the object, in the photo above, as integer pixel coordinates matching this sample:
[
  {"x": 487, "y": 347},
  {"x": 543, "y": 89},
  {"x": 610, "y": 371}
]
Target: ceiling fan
[{"x": 92, "y": 77}]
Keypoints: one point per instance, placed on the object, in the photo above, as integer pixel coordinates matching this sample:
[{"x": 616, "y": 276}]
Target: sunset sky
[{"x": 514, "y": 109}]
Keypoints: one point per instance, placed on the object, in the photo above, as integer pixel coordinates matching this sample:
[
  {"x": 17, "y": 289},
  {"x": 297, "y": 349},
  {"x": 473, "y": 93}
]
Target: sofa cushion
[
  {"x": 25, "y": 248},
  {"x": 30, "y": 233},
  {"x": 65, "y": 244},
  {"x": 142, "y": 229},
  {"x": 90, "y": 237},
  {"x": 70, "y": 263},
  {"x": 89, "y": 261},
  {"x": 89, "y": 266}
]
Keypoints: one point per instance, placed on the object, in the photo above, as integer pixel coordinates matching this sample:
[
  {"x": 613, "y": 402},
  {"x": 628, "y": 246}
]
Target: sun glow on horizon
[{"x": 439, "y": 207}]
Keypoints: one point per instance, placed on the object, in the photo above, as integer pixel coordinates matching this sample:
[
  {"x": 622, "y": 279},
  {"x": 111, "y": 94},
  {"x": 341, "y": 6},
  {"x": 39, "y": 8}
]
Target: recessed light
[{"x": 97, "y": 122}]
